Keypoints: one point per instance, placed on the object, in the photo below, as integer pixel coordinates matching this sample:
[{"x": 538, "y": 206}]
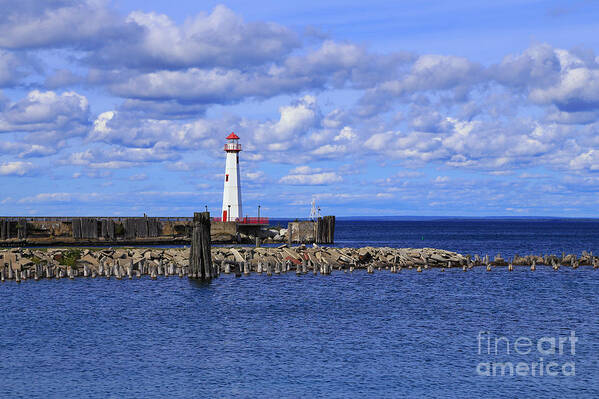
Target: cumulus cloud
[
  {"x": 116, "y": 158},
  {"x": 67, "y": 113},
  {"x": 220, "y": 38},
  {"x": 34, "y": 24},
  {"x": 176, "y": 82},
  {"x": 121, "y": 128},
  {"x": 16, "y": 168},
  {"x": 553, "y": 76},
  {"x": 167, "y": 109},
  {"x": 346, "y": 134},
  {"x": 294, "y": 124},
  {"x": 316, "y": 179},
  {"x": 341, "y": 64},
  {"x": 538, "y": 65},
  {"x": 208, "y": 86},
  {"x": 254, "y": 176},
  {"x": 332, "y": 65},
  {"x": 46, "y": 197},
  {"x": 305, "y": 175},
  {"x": 40, "y": 124},
  {"x": 28, "y": 150},
  {"x": 428, "y": 72},
  {"x": 577, "y": 90},
  {"x": 12, "y": 68},
  {"x": 587, "y": 160}
]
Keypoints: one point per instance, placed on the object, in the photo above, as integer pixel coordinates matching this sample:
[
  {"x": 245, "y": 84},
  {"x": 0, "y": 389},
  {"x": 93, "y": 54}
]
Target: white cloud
[
  {"x": 306, "y": 175},
  {"x": 312, "y": 179},
  {"x": 577, "y": 90},
  {"x": 119, "y": 158},
  {"x": 16, "y": 168},
  {"x": 553, "y": 76},
  {"x": 334, "y": 151},
  {"x": 381, "y": 141},
  {"x": 220, "y": 38},
  {"x": 587, "y": 160},
  {"x": 177, "y": 81},
  {"x": 138, "y": 177},
  {"x": 295, "y": 122},
  {"x": 12, "y": 68},
  {"x": 30, "y": 24},
  {"x": 346, "y": 134},
  {"x": 49, "y": 119},
  {"x": 537, "y": 65},
  {"x": 304, "y": 170},
  {"x": 126, "y": 129},
  {"x": 41, "y": 110},
  {"x": 46, "y": 197},
  {"x": 254, "y": 176},
  {"x": 430, "y": 72}
]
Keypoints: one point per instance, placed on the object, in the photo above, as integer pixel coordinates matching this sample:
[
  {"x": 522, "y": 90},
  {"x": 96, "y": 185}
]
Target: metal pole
[
  {"x": 258, "y": 213},
  {"x": 229, "y": 213}
]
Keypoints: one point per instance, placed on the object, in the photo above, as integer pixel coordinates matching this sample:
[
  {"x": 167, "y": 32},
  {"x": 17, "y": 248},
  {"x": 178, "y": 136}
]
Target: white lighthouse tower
[{"x": 232, "y": 192}]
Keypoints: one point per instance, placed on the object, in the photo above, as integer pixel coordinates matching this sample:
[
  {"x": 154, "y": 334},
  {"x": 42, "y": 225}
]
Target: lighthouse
[{"x": 232, "y": 191}]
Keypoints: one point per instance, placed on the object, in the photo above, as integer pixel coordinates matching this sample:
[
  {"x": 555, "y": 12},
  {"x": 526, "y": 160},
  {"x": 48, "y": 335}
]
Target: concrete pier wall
[
  {"x": 321, "y": 231},
  {"x": 301, "y": 232},
  {"x": 52, "y": 231}
]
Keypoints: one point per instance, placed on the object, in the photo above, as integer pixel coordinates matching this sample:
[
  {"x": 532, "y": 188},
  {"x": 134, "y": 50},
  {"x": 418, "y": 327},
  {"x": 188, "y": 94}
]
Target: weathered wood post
[
  {"x": 200, "y": 257},
  {"x": 325, "y": 230}
]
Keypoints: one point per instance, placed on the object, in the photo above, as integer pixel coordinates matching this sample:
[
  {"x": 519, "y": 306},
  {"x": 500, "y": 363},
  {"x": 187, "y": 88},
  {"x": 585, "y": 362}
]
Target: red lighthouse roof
[{"x": 232, "y": 136}]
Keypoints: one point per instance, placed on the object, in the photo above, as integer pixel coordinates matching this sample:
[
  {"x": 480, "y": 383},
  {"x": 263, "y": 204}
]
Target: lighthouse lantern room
[{"x": 232, "y": 192}]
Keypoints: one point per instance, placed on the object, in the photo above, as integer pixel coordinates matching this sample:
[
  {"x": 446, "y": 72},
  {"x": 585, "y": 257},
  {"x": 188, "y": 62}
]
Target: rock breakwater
[{"x": 22, "y": 264}]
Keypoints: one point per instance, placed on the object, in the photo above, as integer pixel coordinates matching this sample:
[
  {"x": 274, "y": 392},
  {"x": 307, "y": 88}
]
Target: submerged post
[{"x": 200, "y": 257}]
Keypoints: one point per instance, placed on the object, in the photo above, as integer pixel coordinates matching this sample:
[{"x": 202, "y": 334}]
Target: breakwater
[
  {"x": 121, "y": 231},
  {"x": 22, "y": 264}
]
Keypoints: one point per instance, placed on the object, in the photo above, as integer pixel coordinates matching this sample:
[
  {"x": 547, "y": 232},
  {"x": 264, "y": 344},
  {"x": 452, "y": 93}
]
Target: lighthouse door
[{"x": 224, "y": 216}]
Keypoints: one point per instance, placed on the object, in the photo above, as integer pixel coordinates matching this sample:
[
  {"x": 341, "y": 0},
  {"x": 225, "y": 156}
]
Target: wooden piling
[
  {"x": 22, "y": 229},
  {"x": 200, "y": 257},
  {"x": 325, "y": 230}
]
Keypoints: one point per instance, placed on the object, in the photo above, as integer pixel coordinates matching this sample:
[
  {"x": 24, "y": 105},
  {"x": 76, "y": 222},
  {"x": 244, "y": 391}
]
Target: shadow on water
[{"x": 200, "y": 284}]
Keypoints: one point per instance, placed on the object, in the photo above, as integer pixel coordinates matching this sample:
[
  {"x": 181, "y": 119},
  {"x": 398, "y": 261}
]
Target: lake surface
[
  {"x": 475, "y": 236},
  {"x": 344, "y": 335}
]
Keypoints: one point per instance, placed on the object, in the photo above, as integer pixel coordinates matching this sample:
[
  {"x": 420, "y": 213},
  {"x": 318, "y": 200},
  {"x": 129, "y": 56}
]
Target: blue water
[
  {"x": 344, "y": 335},
  {"x": 475, "y": 236}
]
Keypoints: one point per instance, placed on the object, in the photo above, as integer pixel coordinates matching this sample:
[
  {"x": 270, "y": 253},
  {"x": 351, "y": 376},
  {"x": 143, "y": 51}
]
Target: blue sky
[{"x": 372, "y": 108}]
